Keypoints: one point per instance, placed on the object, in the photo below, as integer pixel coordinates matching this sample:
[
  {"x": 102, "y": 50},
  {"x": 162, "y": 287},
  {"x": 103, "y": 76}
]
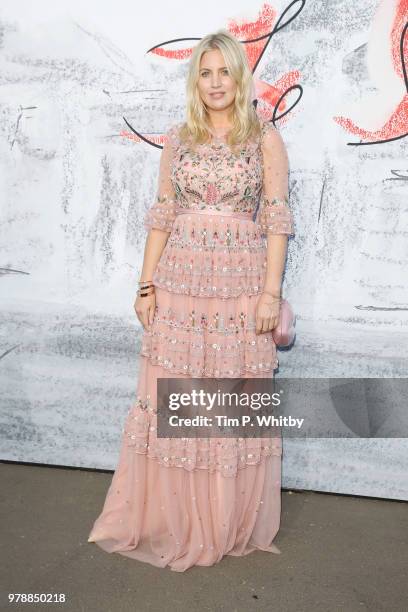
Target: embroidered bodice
[{"x": 215, "y": 178}]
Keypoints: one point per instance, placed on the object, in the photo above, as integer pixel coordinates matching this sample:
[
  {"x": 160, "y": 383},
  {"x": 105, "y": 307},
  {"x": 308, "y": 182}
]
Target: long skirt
[{"x": 181, "y": 502}]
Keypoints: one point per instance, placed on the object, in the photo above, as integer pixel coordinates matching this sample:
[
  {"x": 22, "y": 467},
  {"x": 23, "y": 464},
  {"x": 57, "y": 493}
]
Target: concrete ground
[{"x": 339, "y": 553}]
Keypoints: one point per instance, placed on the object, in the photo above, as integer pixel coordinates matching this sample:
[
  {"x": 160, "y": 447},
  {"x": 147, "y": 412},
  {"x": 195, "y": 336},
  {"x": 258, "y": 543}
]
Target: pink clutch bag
[{"x": 284, "y": 333}]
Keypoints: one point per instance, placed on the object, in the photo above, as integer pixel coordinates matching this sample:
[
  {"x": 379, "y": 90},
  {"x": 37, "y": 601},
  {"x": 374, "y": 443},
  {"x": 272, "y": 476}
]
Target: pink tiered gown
[{"x": 180, "y": 502}]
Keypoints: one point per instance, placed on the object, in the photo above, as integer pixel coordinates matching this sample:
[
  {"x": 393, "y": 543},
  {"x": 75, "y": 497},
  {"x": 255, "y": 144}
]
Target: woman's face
[{"x": 215, "y": 85}]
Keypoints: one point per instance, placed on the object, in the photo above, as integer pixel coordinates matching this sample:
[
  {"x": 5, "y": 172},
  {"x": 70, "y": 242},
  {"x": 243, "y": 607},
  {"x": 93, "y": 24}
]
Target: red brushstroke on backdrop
[
  {"x": 250, "y": 30},
  {"x": 397, "y": 124},
  {"x": 152, "y": 139},
  {"x": 246, "y": 32},
  {"x": 397, "y": 27}
]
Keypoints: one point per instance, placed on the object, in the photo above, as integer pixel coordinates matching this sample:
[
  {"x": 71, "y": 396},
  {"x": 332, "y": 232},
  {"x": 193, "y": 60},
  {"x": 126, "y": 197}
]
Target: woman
[{"x": 209, "y": 299}]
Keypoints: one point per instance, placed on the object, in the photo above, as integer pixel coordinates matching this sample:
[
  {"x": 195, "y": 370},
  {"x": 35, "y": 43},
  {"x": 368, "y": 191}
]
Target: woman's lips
[{"x": 217, "y": 95}]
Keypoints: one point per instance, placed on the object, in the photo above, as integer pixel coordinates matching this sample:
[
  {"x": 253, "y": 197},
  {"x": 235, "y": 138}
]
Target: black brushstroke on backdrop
[
  {"x": 404, "y": 71},
  {"x": 398, "y": 176},
  {"x": 280, "y": 24},
  {"x": 4, "y": 271}
]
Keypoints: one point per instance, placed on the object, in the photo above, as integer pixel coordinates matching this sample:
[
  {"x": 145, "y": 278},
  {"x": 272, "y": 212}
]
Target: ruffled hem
[
  {"x": 225, "y": 455},
  {"x": 209, "y": 256},
  {"x": 178, "y": 519},
  {"x": 200, "y": 336},
  {"x": 168, "y": 365},
  {"x": 275, "y": 217},
  {"x": 161, "y": 215}
]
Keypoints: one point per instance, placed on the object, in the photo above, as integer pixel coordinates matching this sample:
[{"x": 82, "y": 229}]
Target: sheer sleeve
[
  {"x": 161, "y": 213},
  {"x": 274, "y": 215}
]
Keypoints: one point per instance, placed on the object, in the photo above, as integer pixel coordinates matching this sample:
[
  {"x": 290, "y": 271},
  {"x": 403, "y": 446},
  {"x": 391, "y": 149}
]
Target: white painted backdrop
[{"x": 74, "y": 190}]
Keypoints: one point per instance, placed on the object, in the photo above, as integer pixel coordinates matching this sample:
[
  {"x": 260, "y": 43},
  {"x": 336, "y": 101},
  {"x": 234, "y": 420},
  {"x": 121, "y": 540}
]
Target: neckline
[
  {"x": 218, "y": 140},
  {"x": 217, "y": 143},
  {"x": 221, "y": 137}
]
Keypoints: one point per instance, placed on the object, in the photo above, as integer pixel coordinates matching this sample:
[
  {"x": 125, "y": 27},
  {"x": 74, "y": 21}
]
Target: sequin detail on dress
[
  {"x": 214, "y": 177},
  {"x": 225, "y": 455},
  {"x": 189, "y": 501},
  {"x": 209, "y": 256},
  {"x": 208, "y": 337}
]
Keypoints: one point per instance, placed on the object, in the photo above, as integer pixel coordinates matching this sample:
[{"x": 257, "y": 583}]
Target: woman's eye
[{"x": 204, "y": 74}]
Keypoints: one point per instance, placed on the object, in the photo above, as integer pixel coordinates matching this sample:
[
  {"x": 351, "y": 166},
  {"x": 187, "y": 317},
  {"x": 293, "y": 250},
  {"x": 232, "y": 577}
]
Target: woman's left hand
[{"x": 267, "y": 313}]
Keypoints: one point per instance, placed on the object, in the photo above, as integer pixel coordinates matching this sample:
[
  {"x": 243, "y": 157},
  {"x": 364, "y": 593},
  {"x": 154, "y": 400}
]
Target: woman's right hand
[{"x": 145, "y": 308}]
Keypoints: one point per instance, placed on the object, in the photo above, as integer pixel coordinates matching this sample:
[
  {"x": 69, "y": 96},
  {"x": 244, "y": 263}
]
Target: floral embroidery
[
  {"x": 216, "y": 175},
  {"x": 212, "y": 256},
  {"x": 214, "y": 252},
  {"x": 213, "y": 175},
  {"x": 225, "y": 455},
  {"x": 275, "y": 216},
  {"x": 202, "y": 343},
  {"x": 162, "y": 214}
]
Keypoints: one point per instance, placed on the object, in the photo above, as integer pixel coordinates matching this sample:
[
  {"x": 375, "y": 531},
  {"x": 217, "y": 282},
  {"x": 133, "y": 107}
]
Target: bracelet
[
  {"x": 145, "y": 292},
  {"x": 145, "y": 287},
  {"x": 144, "y": 282},
  {"x": 270, "y": 293},
  {"x": 277, "y": 299}
]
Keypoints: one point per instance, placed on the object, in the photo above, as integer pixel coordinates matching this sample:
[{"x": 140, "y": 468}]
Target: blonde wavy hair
[{"x": 246, "y": 124}]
